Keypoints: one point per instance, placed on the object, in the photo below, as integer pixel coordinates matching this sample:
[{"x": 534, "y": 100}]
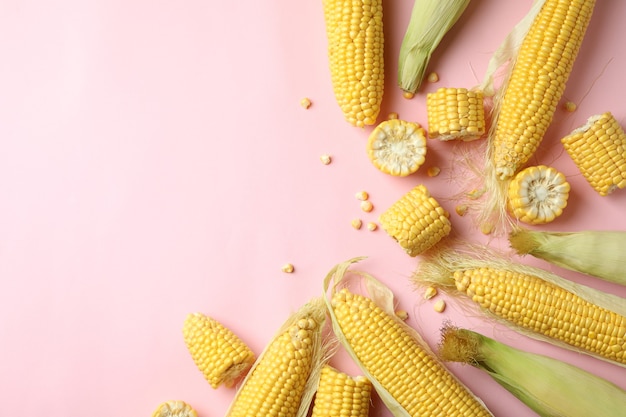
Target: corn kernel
[
  {"x": 570, "y": 106},
  {"x": 461, "y": 209},
  {"x": 430, "y": 292},
  {"x": 362, "y": 195},
  {"x": 408, "y": 95},
  {"x": 402, "y": 314},
  {"x": 433, "y": 77},
  {"x": 439, "y": 306},
  {"x": 392, "y": 116},
  {"x": 287, "y": 268},
  {"x": 371, "y": 226},
  {"x": 433, "y": 171},
  {"x": 326, "y": 159},
  {"x": 367, "y": 206},
  {"x": 357, "y": 223},
  {"x": 305, "y": 103}
]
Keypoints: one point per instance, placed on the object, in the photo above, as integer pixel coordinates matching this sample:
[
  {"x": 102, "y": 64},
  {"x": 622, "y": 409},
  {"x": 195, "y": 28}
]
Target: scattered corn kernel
[
  {"x": 433, "y": 77},
  {"x": 570, "y": 106},
  {"x": 433, "y": 171},
  {"x": 357, "y": 223},
  {"x": 430, "y": 292},
  {"x": 439, "y": 306},
  {"x": 475, "y": 194},
  {"x": 402, "y": 314},
  {"x": 287, "y": 268},
  {"x": 367, "y": 206},
  {"x": 326, "y": 159},
  {"x": 487, "y": 228},
  {"x": 305, "y": 102},
  {"x": 174, "y": 409},
  {"x": 362, "y": 195},
  {"x": 461, "y": 209},
  {"x": 408, "y": 95},
  {"x": 392, "y": 115},
  {"x": 371, "y": 226}
]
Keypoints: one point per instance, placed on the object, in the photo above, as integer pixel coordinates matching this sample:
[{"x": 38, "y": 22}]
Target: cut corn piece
[
  {"x": 355, "y": 51},
  {"x": 339, "y": 394},
  {"x": 534, "y": 302},
  {"x": 416, "y": 221},
  {"x": 397, "y": 147},
  {"x": 406, "y": 374},
  {"x": 221, "y": 356},
  {"x": 538, "y": 194},
  {"x": 282, "y": 380},
  {"x": 455, "y": 113},
  {"x": 174, "y": 409},
  {"x": 599, "y": 150}
]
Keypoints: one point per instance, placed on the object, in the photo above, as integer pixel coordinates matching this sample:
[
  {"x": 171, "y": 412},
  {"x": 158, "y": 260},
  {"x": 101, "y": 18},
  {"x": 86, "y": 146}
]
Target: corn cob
[
  {"x": 455, "y": 113},
  {"x": 599, "y": 150},
  {"x": 416, "y": 221},
  {"x": 221, "y": 356},
  {"x": 535, "y": 302},
  {"x": 282, "y": 380},
  {"x": 339, "y": 394},
  {"x": 538, "y": 194},
  {"x": 406, "y": 374},
  {"x": 548, "y": 386},
  {"x": 397, "y": 147},
  {"x": 354, "y": 29},
  {"x": 174, "y": 409}
]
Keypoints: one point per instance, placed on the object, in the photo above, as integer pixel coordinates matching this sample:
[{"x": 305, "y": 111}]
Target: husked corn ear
[
  {"x": 599, "y": 150},
  {"x": 542, "y": 307},
  {"x": 416, "y": 221},
  {"x": 221, "y": 356},
  {"x": 537, "y": 81},
  {"x": 339, "y": 394},
  {"x": 277, "y": 383},
  {"x": 397, "y": 147},
  {"x": 174, "y": 409},
  {"x": 455, "y": 113},
  {"x": 538, "y": 194},
  {"x": 354, "y": 29},
  {"x": 409, "y": 373}
]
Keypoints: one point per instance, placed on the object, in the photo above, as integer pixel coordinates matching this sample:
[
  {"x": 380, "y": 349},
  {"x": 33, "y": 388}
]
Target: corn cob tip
[
  {"x": 458, "y": 345},
  {"x": 523, "y": 241}
]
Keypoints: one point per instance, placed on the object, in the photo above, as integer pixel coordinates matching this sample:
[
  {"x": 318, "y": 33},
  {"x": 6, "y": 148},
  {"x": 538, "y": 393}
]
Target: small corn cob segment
[
  {"x": 339, "y": 394},
  {"x": 416, "y": 221},
  {"x": 397, "y": 147},
  {"x": 455, "y": 113},
  {"x": 354, "y": 30},
  {"x": 406, "y": 374},
  {"x": 221, "y": 356},
  {"x": 599, "y": 150},
  {"x": 538, "y": 194},
  {"x": 537, "y": 81},
  {"x": 174, "y": 409},
  {"x": 282, "y": 380}
]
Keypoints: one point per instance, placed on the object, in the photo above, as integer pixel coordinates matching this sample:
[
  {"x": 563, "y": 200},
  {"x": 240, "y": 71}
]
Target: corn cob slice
[
  {"x": 599, "y": 150},
  {"x": 397, "y": 147},
  {"x": 354, "y": 30},
  {"x": 534, "y": 302},
  {"x": 282, "y": 380},
  {"x": 416, "y": 221},
  {"x": 339, "y": 394},
  {"x": 538, "y": 194},
  {"x": 221, "y": 356},
  {"x": 174, "y": 409},
  {"x": 405, "y": 373},
  {"x": 455, "y": 113}
]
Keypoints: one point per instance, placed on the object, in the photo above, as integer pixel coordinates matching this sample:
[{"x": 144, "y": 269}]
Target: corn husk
[
  {"x": 438, "y": 270},
  {"x": 593, "y": 252},
  {"x": 430, "y": 21},
  {"x": 548, "y": 386}
]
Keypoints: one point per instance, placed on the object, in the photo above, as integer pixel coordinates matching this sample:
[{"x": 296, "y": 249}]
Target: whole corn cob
[
  {"x": 535, "y": 302},
  {"x": 455, "y": 113},
  {"x": 354, "y": 29},
  {"x": 221, "y": 356},
  {"x": 282, "y": 380},
  {"x": 339, "y": 394},
  {"x": 599, "y": 150},
  {"x": 406, "y": 374}
]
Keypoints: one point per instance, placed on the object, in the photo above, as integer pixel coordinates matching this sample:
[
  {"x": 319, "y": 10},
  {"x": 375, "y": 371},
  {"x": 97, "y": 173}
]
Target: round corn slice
[
  {"x": 397, "y": 147},
  {"x": 538, "y": 194},
  {"x": 174, "y": 409}
]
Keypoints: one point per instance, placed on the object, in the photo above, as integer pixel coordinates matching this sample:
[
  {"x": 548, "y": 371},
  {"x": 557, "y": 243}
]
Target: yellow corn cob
[
  {"x": 538, "y": 194},
  {"x": 282, "y": 380},
  {"x": 174, "y": 409},
  {"x": 599, "y": 150},
  {"x": 537, "y": 81},
  {"x": 455, "y": 113},
  {"x": 221, "y": 356},
  {"x": 416, "y": 221},
  {"x": 405, "y": 373},
  {"x": 339, "y": 394},
  {"x": 397, "y": 147},
  {"x": 354, "y": 29}
]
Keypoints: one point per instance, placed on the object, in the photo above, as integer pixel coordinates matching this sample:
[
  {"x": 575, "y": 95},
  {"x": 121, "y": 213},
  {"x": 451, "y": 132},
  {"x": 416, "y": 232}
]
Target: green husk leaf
[
  {"x": 430, "y": 21},
  {"x": 548, "y": 386}
]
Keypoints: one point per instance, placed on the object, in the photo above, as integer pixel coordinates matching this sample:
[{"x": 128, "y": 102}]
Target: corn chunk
[{"x": 174, "y": 409}]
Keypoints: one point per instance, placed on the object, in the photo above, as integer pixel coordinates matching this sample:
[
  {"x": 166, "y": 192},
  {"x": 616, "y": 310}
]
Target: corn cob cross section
[{"x": 174, "y": 409}]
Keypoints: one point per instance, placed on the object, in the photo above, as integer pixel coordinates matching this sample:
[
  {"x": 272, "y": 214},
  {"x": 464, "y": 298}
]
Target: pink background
[{"x": 155, "y": 161}]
